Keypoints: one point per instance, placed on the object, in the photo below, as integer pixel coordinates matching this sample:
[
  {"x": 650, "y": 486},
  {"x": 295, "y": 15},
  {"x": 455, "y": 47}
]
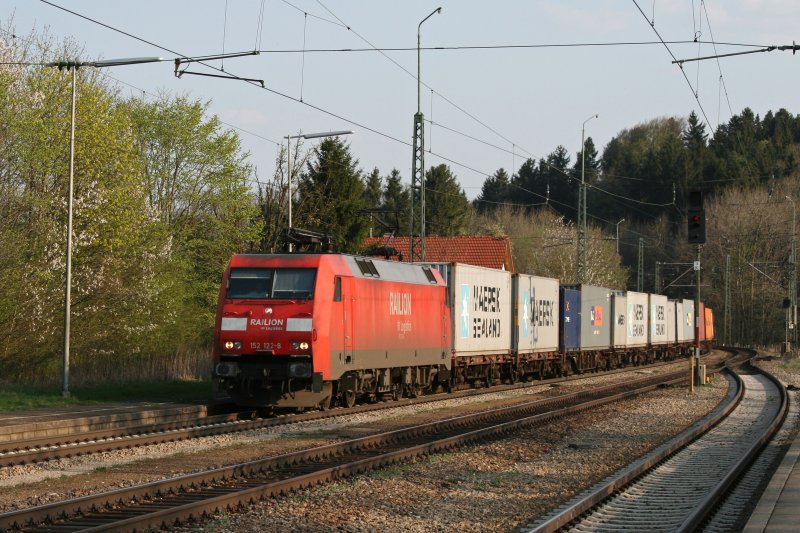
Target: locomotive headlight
[
  {"x": 229, "y": 345},
  {"x": 304, "y": 346},
  {"x": 299, "y": 345},
  {"x": 233, "y": 345}
]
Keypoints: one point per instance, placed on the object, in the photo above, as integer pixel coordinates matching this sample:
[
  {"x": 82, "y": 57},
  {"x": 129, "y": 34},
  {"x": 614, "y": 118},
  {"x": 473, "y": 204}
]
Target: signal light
[{"x": 696, "y": 218}]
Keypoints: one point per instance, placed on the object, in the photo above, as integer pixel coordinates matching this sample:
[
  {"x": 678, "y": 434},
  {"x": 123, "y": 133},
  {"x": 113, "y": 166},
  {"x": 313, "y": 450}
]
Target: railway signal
[{"x": 696, "y": 218}]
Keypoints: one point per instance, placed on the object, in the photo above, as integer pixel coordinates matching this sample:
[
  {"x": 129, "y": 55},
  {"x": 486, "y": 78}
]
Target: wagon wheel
[{"x": 349, "y": 398}]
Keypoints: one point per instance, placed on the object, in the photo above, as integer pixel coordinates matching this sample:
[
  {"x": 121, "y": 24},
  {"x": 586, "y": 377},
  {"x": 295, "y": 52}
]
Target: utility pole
[
  {"x": 581, "y": 259},
  {"x": 726, "y": 320}
]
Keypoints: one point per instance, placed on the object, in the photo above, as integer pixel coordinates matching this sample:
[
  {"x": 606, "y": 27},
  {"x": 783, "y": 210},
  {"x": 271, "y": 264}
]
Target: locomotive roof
[{"x": 360, "y": 266}]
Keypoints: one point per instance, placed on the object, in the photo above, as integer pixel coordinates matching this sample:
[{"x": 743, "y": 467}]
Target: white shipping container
[
  {"x": 680, "y": 333},
  {"x": 637, "y": 319},
  {"x": 687, "y": 319},
  {"x": 658, "y": 319},
  {"x": 671, "y": 326},
  {"x": 482, "y": 308},
  {"x": 536, "y": 317},
  {"x": 619, "y": 313}
]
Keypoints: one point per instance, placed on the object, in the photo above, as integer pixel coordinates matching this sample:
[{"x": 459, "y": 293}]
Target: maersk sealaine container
[
  {"x": 594, "y": 317},
  {"x": 658, "y": 319},
  {"x": 619, "y": 310},
  {"x": 536, "y": 314},
  {"x": 481, "y": 309},
  {"x": 637, "y": 319},
  {"x": 686, "y": 321},
  {"x": 569, "y": 338}
]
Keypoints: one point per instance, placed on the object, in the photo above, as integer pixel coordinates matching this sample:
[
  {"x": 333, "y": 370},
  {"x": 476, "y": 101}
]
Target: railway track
[
  {"x": 679, "y": 485},
  {"x": 189, "y": 497},
  {"x": 80, "y": 442}
]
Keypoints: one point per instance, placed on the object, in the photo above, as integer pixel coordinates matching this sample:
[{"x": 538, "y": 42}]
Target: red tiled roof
[{"x": 478, "y": 250}]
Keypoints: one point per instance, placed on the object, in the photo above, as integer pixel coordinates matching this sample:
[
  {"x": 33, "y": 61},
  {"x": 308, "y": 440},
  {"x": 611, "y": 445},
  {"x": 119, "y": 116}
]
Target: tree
[
  {"x": 562, "y": 184},
  {"x": 198, "y": 187},
  {"x": 331, "y": 195},
  {"x": 373, "y": 192},
  {"x": 496, "y": 191},
  {"x": 396, "y": 203},
  {"x": 695, "y": 145},
  {"x": 446, "y": 205}
]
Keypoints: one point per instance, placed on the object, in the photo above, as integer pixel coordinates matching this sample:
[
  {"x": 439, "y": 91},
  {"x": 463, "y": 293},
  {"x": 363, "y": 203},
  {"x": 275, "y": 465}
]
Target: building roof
[{"x": 478, "y": 250}]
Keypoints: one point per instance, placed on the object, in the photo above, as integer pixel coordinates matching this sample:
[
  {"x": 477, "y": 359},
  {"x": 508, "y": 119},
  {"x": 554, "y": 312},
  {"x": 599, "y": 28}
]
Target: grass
[
  {"x": 19, "y": 397},
  {"x": 791, "y": 364}
]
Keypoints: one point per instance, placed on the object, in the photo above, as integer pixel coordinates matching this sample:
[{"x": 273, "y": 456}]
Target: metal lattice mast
[
  {"x": 640, "y": 276},
  {"x": 658, "y": 278},
  {"x": 417, "y": 237},
  {"x": 581, "y": 252}
]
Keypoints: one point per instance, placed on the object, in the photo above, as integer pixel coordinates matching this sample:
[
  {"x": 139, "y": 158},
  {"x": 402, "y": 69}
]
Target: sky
[{"x": 513, "y": 97}]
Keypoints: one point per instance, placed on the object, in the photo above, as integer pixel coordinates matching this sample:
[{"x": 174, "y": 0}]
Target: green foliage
[
  {"x": 331, "y": 196},
  {"x": 446, "y": 205},
  {"x": 495, "y": 192},
  {"x": 17, "y": 397},
  {"x": 161, "y": 201},
  {"x": 397, "y": 203}
]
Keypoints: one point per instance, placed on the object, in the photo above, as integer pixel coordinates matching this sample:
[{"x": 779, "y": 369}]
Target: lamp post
[
  {"x": 74, "y": 66},
  {"x": 418, "y": 160},
  {"x": 792, "y": 319},
  {"x": 581, "y": 259},
  {"x": 289, "y": 161},
  {"x": 618, "y": 223}
]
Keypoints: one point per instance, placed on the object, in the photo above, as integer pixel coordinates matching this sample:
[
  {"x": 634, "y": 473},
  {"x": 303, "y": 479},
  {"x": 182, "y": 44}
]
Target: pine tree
[
  {"x": 495, "y": 192},
  {"x": 446, "y": 205},
  {"x": 331, "y": 196},
  {"x": 396, "y": 203}
]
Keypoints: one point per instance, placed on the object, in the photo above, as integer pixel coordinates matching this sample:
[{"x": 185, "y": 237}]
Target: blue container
[{"x": 569, "y": 338}]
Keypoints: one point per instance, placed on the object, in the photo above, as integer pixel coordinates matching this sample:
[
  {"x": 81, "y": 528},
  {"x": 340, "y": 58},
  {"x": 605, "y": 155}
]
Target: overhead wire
[
  {"x": 496, "y": 47},
  {"x": 318, "y": 108}
]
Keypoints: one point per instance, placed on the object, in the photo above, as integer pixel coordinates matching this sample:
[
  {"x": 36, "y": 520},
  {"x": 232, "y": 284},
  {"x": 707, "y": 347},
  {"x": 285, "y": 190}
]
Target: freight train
[{"x": 315, "y": 330}]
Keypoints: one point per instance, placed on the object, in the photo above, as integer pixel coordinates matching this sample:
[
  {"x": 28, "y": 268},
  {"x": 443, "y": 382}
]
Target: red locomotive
[{"x": 306, "y": 330}]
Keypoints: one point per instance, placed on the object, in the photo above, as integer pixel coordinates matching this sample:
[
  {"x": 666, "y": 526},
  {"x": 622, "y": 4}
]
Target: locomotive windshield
[{"x": 271, "y": 283}]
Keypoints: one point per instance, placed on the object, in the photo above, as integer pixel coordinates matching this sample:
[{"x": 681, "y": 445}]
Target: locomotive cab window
[
  {"x": 271, "y": 283},
  {"x": 337, "y": 289}
]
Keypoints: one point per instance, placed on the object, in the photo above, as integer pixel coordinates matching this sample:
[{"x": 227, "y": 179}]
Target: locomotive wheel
[{"x": 349, "y": 398}]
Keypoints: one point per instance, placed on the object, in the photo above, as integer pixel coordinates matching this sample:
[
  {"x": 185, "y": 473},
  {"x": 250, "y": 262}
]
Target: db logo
[{"x": 267, "y": 310}]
